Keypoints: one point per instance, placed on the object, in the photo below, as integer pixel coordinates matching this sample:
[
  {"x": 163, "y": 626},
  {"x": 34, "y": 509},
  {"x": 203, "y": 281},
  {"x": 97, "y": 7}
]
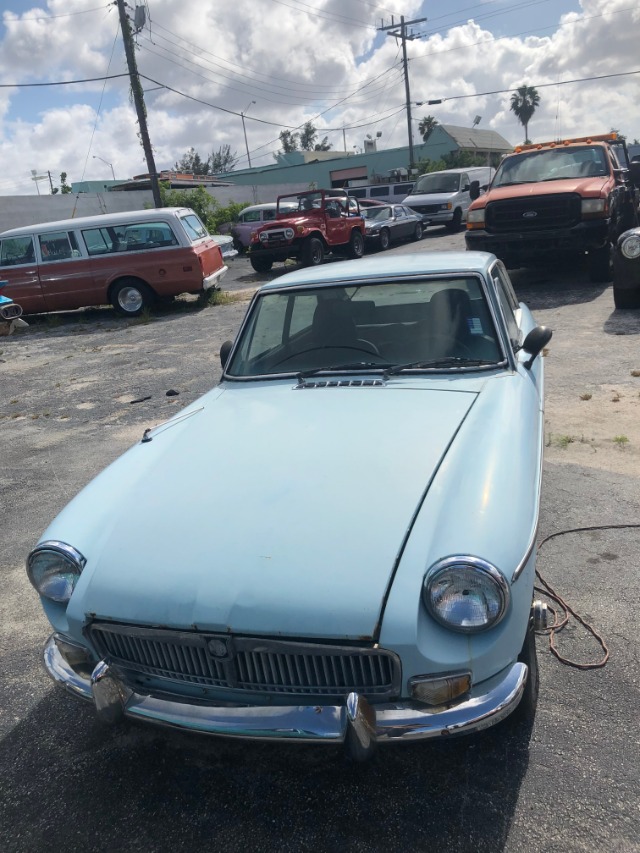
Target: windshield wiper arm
[
  {"x": 354, "y": 365},
  {"x": 450, "y": 361}
]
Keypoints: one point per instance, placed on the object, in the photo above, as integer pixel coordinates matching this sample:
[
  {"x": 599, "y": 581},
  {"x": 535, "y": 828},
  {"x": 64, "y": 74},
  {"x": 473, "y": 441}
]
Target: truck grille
[
  {"x": 533, "y": 213},
  {"x": 251, "y": 665},
  {"x": 275, "y": 237},
  {"x": 426, "y": 208}
]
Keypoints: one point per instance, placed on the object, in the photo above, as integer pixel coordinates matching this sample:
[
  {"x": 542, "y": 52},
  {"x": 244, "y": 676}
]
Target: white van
[
  {"x": 442, "y": 198},
  {"x": 386, "y": 193}
]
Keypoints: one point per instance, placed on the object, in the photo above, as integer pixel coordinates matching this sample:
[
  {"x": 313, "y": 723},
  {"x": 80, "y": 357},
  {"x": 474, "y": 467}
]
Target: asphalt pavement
[{"x": 77, "y": 390}]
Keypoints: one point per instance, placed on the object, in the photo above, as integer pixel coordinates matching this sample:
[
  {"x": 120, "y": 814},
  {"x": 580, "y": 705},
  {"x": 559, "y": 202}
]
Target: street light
[
  {"x": 246, "y": 144},
  {"x": 113, "y": 174}
]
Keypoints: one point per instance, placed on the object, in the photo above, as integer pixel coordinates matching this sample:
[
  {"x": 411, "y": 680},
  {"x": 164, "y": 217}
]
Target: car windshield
[
  {"x": 436, "y": 183},
  {"x": 411, "y": 323},
  {"x": 551, "y": 164},
  {"x": 375, "y": 214}
]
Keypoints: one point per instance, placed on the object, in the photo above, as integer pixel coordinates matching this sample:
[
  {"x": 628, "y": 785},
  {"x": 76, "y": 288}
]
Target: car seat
[{"x": 333, "y": 327}]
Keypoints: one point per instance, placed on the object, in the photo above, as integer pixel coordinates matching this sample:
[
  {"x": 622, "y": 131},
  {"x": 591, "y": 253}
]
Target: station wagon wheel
[
  {"x": 130, "y": 297},
  {"x": 417, "y": 234},
  {"x": 356, "y": 244},
  {"x": 385, "y": 239},
  {"x": 313, "y": 252}
]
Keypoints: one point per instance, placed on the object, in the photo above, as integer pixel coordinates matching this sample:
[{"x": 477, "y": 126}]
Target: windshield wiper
[
  {"x": 450, "y": 361},
  {"x": 514, "y": 183},
  {"x": 354, "y": 365}
]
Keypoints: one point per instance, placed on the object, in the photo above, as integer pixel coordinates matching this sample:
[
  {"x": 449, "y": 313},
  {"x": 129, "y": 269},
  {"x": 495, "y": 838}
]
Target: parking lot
[{"x": 79, "y": 388}]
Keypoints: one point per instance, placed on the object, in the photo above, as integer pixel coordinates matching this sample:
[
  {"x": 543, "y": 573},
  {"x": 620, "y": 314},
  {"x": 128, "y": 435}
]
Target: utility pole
[
  {"x": 138, "y": 100},
  {"x": 404, "y": 36}
]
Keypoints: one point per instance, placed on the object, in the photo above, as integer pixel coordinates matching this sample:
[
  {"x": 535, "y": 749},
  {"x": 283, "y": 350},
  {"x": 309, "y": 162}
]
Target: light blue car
[{"x": 352, "y": 559}]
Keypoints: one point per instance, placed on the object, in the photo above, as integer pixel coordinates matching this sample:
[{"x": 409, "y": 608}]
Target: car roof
[
  {"x": 100, "y": 219},
  {"x": 393, "y": 266}
]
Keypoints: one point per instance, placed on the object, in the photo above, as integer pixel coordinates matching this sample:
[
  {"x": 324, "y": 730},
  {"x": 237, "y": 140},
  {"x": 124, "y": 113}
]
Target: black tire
[
  {"x": 261, "y": 264},
  {"x": 626, "y": 299},
  {"x": 526, "y": 710},
  {"x": 313, "y": 253},
  {"x": 356, "y": 244},
  {"x": 600, "y": 264},
  {"x": 456, "y": 222},
  {"x": 385, "y": 239},
  {"x": 130, "y": 297},
  {"x": 417, "y": 231}
]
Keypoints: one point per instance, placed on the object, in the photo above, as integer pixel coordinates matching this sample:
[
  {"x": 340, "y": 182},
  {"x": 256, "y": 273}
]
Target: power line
[{"x": 61, "y": 82}]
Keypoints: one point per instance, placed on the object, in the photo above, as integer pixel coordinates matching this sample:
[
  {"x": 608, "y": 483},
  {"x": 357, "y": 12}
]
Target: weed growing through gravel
[
  {"x": 586, "y": 396},
  {"x": 633, "y": 372},
  {"x": 621, "y": 441},
  {"x": 616, "y": 397},
  {"x": 223, "y": 297},
  {"x": 564, "y": 441}
]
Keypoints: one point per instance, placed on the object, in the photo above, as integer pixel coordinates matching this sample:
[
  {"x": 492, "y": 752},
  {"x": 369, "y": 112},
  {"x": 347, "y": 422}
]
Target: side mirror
[
  {"x": 466, "y": 188},
  {"x": 225, "y": 351},
  {"x": 474, "y": 190},
  {"x": 634, "y": 172},
  {"x": 534, "y": 343}
]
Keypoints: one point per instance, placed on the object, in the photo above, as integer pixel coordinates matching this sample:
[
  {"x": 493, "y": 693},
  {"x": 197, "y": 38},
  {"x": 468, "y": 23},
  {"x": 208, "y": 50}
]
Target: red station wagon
[{"x": 127, "y": 259}]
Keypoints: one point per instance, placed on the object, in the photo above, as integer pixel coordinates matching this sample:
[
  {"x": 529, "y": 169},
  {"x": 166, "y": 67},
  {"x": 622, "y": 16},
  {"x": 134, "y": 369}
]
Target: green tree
[
  {"x": 289, "y": 141},
  {"x": 210, "y": 211},
  {"x": 523, "y": 104},
  {"x": 65, "y": 189},
  {"x": 426, "y": 126},
  {"x": 325, "y": 145},
  {"x": 192, "y": 163},
  {"x": 222, "y": 160}
]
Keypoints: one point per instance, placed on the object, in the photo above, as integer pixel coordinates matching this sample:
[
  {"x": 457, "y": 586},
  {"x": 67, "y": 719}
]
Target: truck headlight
[
  {"x": 54, "y": 568},
  {"x": 593, "y": 206},
  {"x": 630, "y": 246},
  {"x": 289, "y": 233},
  {"x": 475, "y": 218},
  {"x": 465, "y": 594}
]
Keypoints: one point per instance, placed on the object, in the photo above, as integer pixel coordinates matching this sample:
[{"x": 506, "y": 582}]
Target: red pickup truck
[{"x": 323, "y": 221}]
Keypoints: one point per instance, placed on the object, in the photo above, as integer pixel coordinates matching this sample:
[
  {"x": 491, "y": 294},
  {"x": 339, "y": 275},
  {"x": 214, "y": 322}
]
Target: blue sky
[{"x": 298, "y": 60}]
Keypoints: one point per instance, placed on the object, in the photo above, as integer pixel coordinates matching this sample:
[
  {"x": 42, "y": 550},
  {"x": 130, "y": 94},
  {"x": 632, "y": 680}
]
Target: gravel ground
[{"x": 79, "y": 388}]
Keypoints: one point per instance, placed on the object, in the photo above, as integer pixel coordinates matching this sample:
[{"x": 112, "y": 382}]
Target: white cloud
[{"x": 296, "y": 59}]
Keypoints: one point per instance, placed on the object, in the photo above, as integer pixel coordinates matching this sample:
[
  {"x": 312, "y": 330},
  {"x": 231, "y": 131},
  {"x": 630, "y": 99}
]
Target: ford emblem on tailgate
[{"x": 529, "y": 214}]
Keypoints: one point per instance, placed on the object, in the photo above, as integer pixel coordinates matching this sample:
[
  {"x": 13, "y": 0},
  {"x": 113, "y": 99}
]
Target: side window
[
  {"x": 99, "y": 241},
  {"x": 302, "y": 314},
  {"x": 464, "y": 183},
  {"x": 358, "y": 193},
  {"x": 16, "y": 250},
  {"x": 251, "y": 216},
  {"x": 58, "y": 246},
  {"x": 398, "y": 211},
  {"x": 193, "y": 226},
  {"x": 508, "y": 302},
  {"x": 378, "y": 192},
  {"x": 268, "y": 215},
  {"x": 148, "y": 235}
]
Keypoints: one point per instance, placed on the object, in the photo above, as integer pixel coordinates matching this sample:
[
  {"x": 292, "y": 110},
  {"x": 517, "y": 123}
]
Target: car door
[
  {"x": 18, "y": 267},
  {"x": 65, "y": 272},
  {"x": 402, "y": 222}
]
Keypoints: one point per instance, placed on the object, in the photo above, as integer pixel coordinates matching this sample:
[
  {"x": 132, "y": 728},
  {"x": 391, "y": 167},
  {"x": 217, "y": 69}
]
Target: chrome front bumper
[{"x": 357, "y": 719}]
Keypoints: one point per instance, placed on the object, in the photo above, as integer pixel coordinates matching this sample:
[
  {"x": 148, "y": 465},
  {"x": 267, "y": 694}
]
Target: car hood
[
  {"x": 430, "y": 198},
  {"x": 268, "y": 511},
  {"x": 585, "y": 187}
]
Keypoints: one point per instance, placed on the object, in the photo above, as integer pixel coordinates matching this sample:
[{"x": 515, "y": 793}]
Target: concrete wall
[{"x": 16, "y": 211}]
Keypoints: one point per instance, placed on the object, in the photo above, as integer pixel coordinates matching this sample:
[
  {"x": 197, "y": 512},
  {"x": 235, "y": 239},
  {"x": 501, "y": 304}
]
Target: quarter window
[
  {"x": 508, "y": 302},
  {"x": 58, "y": 246},
  {"x": 193, "y": 226}
]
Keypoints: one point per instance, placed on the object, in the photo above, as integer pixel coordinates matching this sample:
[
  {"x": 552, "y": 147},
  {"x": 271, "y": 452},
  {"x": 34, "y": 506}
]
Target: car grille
[
  {"x": 426, "y": 208},
  {"x": 251, "y": 665},
  {"x": 533, "y": 213},
  {"x": 275, "y": 237}
]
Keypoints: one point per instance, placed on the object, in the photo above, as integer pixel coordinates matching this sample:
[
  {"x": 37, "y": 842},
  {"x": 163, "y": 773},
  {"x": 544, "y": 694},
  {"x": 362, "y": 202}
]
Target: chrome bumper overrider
[
  {"x": 212, "y": 280},
  {"x": 404, "y": 720}
]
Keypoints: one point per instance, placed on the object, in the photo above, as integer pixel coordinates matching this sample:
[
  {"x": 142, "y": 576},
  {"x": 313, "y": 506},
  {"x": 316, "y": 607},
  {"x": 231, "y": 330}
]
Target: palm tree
[
  {"x": 523, "y": 103},
  {"x": 425, "y": 127}
]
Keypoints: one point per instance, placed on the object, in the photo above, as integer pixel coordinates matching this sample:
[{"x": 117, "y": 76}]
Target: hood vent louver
[{"x": 338, "y": 383}]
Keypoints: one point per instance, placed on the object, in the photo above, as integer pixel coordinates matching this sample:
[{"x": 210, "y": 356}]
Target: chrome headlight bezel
[
  {"x": 630, "y": 246},
  {"x": 593, "y": 206},
  {"x": 53, "y": 568},
  {"x": 476, "y": 217},
  {"x": 462, "y": 570}
]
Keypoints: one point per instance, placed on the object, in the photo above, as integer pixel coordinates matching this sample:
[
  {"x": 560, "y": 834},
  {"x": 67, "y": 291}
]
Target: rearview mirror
[{"x": 535, "y": 342}]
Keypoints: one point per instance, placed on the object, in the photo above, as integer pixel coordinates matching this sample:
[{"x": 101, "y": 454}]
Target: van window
[
  {"x": 358, "y": 193},
  {"x": 193, "y": 226},
  {"x": 379, "y": 191},
  {"x": 402, "y": 189},
  {"x": 15, "y": 251},
  {"x": 148, "y": 235},
  {"x": 58, "y": 245}
]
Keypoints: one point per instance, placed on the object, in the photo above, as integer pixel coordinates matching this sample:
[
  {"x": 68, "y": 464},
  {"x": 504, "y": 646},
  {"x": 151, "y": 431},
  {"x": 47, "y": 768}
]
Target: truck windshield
[
  {"x": 436, "y": 183},
  {"x": 552, "y": 164}
]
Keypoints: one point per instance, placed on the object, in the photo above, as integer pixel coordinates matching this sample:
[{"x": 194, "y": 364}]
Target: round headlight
[
  {"x": 630, "y": 246},
  {"x": 54, "y": 569},
  {"x": 288, "y": 233},
  {"x": 466, "y": 594},
  {"x": 263, "y": 237}
]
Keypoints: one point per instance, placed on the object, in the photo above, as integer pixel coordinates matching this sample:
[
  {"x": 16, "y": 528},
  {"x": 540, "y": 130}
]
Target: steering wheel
[{"x": 335, "y": 346}]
